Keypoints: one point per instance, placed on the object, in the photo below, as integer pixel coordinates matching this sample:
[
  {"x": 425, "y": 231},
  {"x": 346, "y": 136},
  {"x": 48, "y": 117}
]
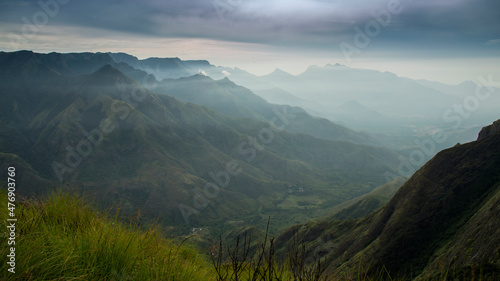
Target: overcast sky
[{"x": 444, "y": 40}]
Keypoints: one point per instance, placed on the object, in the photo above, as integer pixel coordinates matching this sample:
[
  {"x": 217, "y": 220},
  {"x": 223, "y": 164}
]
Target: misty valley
[{"x": 356, "y": 172}]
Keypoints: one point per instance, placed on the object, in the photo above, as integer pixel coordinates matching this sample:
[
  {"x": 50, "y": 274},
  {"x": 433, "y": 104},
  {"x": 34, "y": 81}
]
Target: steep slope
[
  {"x": 451, "y": 199},
  {"x": 474, "y": 250},
  {"x": 124, "y": 145}
]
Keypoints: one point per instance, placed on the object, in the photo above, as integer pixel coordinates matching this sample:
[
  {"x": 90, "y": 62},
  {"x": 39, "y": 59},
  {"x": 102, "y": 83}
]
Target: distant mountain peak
[
  {"x": 20, "y": 54},
  {"x": 278, "y": 73},
  {"x": 226, "y": 82},
  {"x": 107, "y": 70},
  {"x": 106, "y": 75},
  {"x": 335, "y": 65},
  {"x": 25, "y": 52},
  {"x": 200, "y": 76}
]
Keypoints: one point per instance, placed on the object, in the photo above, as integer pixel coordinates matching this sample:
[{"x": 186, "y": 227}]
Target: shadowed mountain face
[
  {"x": 444, "y": 216},
  {"x": 124, "y": 145}
]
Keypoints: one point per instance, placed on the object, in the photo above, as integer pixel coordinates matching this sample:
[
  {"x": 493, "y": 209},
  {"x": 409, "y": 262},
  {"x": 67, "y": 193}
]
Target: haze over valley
[{"x": 250, "y": 140}]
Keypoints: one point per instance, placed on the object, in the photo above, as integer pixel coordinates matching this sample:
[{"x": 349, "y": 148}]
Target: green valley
[{"x": 130, "y": 169}]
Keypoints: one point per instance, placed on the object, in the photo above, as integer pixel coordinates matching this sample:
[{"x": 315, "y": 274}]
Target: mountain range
[
  {"x": 230, "y": 99},
  {"x": 185, "y": 144},
  {"x": 77, "y": 119},
  {"x": 380, "y": 103}
]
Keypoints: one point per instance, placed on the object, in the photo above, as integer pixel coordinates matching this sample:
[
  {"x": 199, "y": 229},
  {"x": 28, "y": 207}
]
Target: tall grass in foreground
[{"x": 62, "y": 238}]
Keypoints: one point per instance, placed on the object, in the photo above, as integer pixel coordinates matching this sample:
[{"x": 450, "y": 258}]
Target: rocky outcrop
[{"x": 489, "y": 130}]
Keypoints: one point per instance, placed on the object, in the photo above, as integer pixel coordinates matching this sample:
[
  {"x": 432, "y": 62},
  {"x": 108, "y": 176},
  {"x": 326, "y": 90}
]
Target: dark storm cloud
[{"x": 317, "y": 23}]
